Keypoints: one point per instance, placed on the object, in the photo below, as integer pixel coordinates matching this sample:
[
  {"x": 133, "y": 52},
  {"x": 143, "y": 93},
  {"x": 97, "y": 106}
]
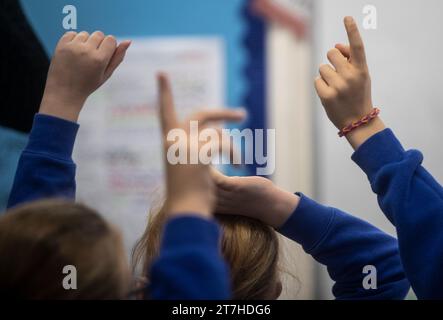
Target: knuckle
[
  {"x": 342, "y": 88},
  {"x": 97, "y": 60},
  {"x": 331, "y": 53},
  {"x": 329, "y": 96},
  {"x": 359, "y": 47},
  {"x": 352, "y": 27},
  {"x": 78, "y": 47},
  {"x": 63, "y": 49},
  {"x": 82, "y": 50},
  {"x": 355, "y": 76},
  {"x": 323, "y": 68},
  {"x": 348, "y": 76}
]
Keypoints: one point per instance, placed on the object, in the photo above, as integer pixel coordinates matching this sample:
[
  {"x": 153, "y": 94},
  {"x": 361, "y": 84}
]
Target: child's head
[
  {"x": 38, "y": 240},
  {"x": 250, "y": 248}
]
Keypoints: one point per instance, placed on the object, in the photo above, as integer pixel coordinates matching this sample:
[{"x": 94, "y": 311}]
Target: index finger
[
  {"x": 107, "y": 48},
  {"x": 168, "y": 117},
  {"x": 357, "y": 47},
  {"x": 117, "y": 58},
  {"x": 221, "y": 180}
]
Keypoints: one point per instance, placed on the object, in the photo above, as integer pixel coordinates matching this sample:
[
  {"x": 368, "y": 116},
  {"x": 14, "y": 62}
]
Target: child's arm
[
  {"x": 413, "y": 201},
  {"x": 190, "y": 264},
  {"x": 408, "y": 195},
  {"x": 81, "y": 64},
  {"x": 346, "y": 245},
  {"x": 339, "y": 241},
  {"x": 45, "y": 168}
]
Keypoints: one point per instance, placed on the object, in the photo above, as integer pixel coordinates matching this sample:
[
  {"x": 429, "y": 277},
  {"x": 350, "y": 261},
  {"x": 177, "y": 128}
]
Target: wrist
[
  {"x": 189, "y": 205},
  {"x": 361, "y": 134},
  {"x": 61, "y": 105},
  {"x": 285, "y": 203}
]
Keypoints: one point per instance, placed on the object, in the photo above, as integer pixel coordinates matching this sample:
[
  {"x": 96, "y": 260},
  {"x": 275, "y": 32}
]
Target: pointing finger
[
  {"x": 357, "y": 47},
  {"x": 168, "y": 116}
]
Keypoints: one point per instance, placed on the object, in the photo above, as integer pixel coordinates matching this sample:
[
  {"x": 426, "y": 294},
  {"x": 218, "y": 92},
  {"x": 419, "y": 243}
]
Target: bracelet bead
[{"x": 366, "y": 119}]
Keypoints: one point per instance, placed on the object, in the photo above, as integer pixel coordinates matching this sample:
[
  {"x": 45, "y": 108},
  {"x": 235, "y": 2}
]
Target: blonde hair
[
  {"x": 250, "y": 248},
  {"x": 38, "y": 240}
]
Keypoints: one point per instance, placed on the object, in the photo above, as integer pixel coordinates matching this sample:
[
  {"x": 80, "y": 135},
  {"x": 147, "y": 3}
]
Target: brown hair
[
  {"x": 38, "y": 240},
  {"x": 250, "y": 248}
]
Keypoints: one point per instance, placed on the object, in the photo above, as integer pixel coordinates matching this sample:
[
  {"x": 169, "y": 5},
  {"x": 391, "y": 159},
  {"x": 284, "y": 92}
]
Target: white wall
[
  {"x": 405, "y": 60},
  {"x": 290, "y": 114}
]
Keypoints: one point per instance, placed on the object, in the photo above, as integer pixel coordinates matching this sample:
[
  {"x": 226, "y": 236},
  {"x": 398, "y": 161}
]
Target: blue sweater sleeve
[
  {"x": 190, "y": 265},
  {"x": 413, "y": 201},
  {"x": 345, "y": 245},
  {"x": 45, "y": 168}
]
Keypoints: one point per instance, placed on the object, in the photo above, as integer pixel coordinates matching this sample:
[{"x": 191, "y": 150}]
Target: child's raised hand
[
  {"x": 254, "y": 197},
  {"x": 345, "y": 88},
  {"x": 81, "y": 64},
  {"x": 190, "y": 187}
]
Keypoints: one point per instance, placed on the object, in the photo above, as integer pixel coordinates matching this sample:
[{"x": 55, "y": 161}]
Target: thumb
[
  {"x": 117, "y": 58},
  {"x": 221, "y": 181}
]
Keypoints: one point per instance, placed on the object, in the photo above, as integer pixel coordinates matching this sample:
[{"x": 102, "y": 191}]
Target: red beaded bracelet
[{"x": 374, "y": 113}]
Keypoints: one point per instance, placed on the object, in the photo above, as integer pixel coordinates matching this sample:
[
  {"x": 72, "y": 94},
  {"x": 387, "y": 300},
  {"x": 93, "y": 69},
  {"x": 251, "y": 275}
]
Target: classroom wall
[
  {"x": 136, "y": 18},
  {"x": 289, "y": 113},
  {"x": 404, "y": 56}
]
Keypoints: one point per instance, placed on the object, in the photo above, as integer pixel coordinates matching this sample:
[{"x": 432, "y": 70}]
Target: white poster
[{"x": 118, "y": 150}]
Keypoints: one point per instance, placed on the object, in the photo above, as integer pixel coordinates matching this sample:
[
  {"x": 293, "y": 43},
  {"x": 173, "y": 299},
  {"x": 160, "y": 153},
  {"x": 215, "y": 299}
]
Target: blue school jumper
[{"x": 413, "y": 201}]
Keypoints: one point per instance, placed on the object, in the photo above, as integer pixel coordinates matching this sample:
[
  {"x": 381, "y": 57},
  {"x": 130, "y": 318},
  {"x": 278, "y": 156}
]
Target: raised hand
[
  {"x": 81, "y": 64},
  {"x": 190, "y": 187},
  {"x": 345, "y": 87}
]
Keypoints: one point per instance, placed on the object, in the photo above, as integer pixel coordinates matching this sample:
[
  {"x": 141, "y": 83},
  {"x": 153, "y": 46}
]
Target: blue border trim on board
[{"x": 255, "y": 71}]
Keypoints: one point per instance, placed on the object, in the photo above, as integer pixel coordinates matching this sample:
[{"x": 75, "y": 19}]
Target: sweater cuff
[
  {"x": 379, "y": 150},
  {"x": 191, "y": 230},
  {"x": 309, "y": 223},
  {"x": 53, "y": 136}
]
